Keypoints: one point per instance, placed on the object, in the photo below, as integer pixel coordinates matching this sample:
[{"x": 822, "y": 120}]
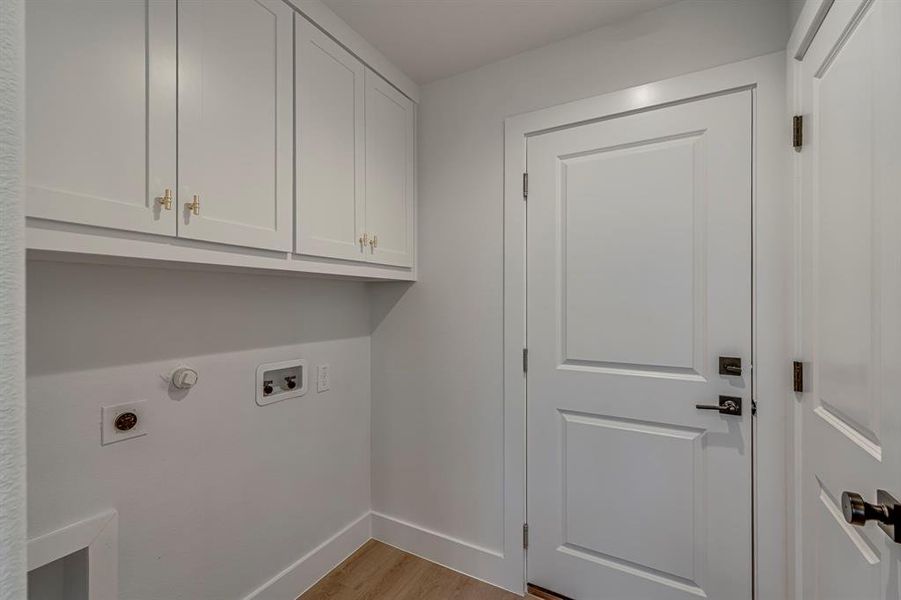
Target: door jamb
[
  {"x": 813, "y": 13},
  {"x": 772, "y": 264}
]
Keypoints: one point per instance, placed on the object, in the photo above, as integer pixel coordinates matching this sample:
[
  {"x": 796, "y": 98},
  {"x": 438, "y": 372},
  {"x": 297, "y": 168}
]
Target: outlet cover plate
[
  {"x": 108, "y": 432},
  {"x": 323, "y": 383}
]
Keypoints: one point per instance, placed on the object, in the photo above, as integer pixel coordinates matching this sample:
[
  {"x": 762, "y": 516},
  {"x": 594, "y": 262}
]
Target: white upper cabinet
[
  {"x": 235, "y": 122},
  {"x": 390, "y": 162},
  {"x": 100, "y": 99},
  {"x": 330, "y": 164},
  {"x": 237, "y": 127},
  {"x": 355, "y": 157}
]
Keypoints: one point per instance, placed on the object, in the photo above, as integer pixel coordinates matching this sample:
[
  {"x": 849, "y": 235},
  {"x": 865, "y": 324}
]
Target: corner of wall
[{"x": 303, "y": 574}]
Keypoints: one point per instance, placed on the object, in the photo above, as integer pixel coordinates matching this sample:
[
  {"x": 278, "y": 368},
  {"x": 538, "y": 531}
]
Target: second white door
[
  {"x": 639, "y": 279},
  {"x": 850, "y": 305}
]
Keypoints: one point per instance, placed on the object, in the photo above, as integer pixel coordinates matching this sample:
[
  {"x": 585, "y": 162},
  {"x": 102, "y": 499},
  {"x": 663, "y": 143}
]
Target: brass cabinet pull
[
  {"x": 374, "y": 243},
  {"x": 364, "y": 240},
  {"x": 194, "y": 207},
  {"x": 166, "y": 200}
]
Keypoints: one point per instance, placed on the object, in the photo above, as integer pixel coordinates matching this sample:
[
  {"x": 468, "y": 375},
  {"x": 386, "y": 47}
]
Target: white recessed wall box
[{"x": 280, "y": 381}]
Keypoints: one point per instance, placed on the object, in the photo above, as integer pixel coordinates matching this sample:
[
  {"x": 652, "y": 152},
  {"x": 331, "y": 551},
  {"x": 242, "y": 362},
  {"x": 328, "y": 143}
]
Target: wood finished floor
[{"x": 378, "y": 571}]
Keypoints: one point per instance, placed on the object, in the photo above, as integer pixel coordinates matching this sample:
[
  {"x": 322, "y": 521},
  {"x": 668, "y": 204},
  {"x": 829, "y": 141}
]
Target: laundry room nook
[{"x": 450, "y": 299}]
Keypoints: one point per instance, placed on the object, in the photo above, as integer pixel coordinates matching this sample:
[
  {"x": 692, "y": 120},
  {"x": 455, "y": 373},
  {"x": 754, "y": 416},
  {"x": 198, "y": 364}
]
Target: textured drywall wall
[
  {"x": 221, "y": 494},
  {"x": 12, "y": 304}
]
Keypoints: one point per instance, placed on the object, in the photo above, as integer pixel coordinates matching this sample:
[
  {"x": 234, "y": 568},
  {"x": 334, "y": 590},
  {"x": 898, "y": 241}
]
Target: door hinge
[
  {"x": 525, "y": 186},
  {"x": 797, "y": 132},
  {"x": 525, "y": 535},
  {"x": 798, "y": 376},
  {"x": 525, "y": 360}
]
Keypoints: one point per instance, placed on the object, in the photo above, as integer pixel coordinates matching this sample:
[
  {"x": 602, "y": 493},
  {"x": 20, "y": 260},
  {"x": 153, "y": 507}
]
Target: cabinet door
[
  {"x": 235, "y": 122},
  {"x": 329, "y": 95},
  {"x": 100, "y": 98},
  {"x": 389, "y": 173}
]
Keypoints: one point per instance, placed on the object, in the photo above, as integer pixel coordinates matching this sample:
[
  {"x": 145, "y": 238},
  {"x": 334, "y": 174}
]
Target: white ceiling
[{"x": 431, "y": 39}]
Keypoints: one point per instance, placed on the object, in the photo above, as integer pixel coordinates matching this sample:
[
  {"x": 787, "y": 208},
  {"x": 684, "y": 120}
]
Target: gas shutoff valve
[{"x": 184, "y": 378}]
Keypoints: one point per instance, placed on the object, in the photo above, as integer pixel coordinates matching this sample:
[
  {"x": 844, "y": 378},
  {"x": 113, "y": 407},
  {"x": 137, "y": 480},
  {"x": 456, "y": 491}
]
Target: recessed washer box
[{"x": 280, "y": 381}]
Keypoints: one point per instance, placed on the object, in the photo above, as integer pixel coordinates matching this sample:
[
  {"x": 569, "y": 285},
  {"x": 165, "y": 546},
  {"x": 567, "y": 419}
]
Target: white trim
[
  {"x": 807, "y": 26},
  {"x": 303, "y": 574},
  {"x": 812, "y": 15},
  {"x": 69, "y": 242},
  {"x": 331, "y": 24},
  {"x": 99, "y": 535},
  {"x": 474, "y": 561},
  {"x": 772, "y": 276}
]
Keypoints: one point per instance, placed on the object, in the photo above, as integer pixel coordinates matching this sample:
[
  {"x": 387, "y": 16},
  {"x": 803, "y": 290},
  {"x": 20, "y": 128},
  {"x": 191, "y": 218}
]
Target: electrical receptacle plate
[{"x": 109, "y": 434}]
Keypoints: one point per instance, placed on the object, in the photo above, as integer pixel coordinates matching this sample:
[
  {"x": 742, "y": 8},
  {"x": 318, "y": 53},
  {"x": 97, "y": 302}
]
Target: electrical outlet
[
  {"x": 123, "y": 421},
  {"x": 322, "y": 378}
]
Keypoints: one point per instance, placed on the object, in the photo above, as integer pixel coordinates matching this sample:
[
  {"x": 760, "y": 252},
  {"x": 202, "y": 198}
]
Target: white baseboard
[
  {"x": 469, "y": 559},
  {"x": 314, "y": 565}
]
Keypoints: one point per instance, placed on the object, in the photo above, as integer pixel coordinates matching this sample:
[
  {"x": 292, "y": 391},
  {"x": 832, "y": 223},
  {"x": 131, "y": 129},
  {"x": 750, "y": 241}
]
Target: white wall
[
  {"x": 437, "y": 346},
  {"x": 221, "y": 495},
  {"x": 12, "y": 302},
  {"x": 794, "y": 8}
]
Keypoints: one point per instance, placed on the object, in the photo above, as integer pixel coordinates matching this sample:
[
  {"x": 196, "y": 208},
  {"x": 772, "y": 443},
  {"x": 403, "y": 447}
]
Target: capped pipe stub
[{"x": 184, "y": 378}]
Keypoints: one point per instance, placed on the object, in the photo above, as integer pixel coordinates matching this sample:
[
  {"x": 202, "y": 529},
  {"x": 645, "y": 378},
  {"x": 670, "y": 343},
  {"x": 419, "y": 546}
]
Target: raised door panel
[
  {"x": 100, "y": 97},
  {"x": 609, "y": 202},
  {"x": 235, "y": 122},
  {"x": 329, "y": 111},
  {"x": 390, "y": 121}
]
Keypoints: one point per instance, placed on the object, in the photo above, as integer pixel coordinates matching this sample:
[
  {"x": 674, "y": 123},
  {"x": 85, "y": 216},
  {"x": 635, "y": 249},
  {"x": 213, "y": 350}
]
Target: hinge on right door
[
  {"x": 525, "y": 360},
  {"x": 525, "y": 186},
  {"x": 525, "y": 535},
  {"x": 797, "y": 132}
]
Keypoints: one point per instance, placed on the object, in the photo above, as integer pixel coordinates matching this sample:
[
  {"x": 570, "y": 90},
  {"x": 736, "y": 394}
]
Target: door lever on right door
[
  {"x": 886, "y": 512},
  {"x": 728, "y": 405}
]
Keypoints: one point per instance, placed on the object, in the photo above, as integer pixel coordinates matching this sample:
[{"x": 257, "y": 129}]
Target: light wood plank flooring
[{"x": 378, "y": 571}]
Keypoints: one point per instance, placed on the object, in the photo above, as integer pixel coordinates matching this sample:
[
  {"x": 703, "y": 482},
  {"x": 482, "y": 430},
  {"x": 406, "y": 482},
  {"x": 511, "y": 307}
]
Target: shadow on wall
[
  {"x": 83, "y": 316},
  {"x": 383, "y": 298}
]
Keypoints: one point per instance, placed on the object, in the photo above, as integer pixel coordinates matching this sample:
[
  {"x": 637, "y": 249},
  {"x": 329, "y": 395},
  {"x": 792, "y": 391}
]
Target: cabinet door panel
[
  {"x": 389, "y": 173},
  {"x": 329, "y": 111},
  {"x": 235, "y": 122},
  {"x": 100, "y": 97}
]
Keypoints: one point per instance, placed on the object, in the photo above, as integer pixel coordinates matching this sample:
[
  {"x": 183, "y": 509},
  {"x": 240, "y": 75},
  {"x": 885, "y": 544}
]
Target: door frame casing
[{"x": 772, "y": 287}]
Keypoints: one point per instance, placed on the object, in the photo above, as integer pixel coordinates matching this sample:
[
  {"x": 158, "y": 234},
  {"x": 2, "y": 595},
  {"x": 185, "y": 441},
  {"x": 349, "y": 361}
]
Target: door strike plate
[{"x": 730, "y": 365}]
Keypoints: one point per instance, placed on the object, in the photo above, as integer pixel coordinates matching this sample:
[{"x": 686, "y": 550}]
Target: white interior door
[
  {"x": 329, "y": 95},
  {"x": 639, "y": 278},
  {"x": 100, "y": 90},
  {"x": 235, "y": 122},
  {"x": 850, "y": 87},
  {"x": 390, "y": 162}
]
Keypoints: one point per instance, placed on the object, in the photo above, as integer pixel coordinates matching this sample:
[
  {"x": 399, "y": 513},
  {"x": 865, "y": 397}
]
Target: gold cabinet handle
[
  {"x": 364, "y": 240},
  {"x": 194, "y": 207},
  {"x": 166, "y": 200},
  {"x": 373, "y": 243}
]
